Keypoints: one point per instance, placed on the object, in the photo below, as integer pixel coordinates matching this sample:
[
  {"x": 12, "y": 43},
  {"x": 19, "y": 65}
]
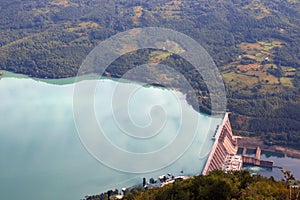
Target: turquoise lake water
[{"x": 42, "y": 156}]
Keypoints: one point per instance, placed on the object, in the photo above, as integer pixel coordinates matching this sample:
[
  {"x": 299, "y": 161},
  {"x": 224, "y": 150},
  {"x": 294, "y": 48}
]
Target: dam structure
[
  {"x": 224, "y": 154},
  {"x": 225, "y": 144}
]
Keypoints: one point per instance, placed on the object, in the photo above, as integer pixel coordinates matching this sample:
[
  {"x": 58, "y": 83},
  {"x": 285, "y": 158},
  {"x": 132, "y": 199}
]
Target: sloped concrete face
[{"x": 225, "y": 144}]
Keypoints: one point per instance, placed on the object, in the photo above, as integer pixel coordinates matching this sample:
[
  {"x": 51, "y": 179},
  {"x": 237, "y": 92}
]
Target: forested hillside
[
  {"x": 216, "y": 186},
  {"x": 255, "y": 44}
]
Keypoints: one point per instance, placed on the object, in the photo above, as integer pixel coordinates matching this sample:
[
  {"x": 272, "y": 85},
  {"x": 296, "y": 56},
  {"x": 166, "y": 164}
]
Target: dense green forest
[
  {"x": 254, "y": 43},
  {"x": 217, "y": 185}
]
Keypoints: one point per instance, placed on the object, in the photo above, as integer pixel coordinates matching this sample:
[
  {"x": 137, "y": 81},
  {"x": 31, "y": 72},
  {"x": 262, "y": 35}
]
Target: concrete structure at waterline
[{"x": 223, "y": 155}]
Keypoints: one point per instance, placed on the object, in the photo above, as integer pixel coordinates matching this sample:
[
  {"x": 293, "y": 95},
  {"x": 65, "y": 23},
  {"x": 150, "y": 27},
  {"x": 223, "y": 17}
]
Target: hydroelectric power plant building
[
  {"x": 225, "y": 144},
  {"x": 223, "y": 155}
]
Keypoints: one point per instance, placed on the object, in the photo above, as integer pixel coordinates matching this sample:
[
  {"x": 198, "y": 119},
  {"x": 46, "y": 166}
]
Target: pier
[{"x": 256, "y": 160}]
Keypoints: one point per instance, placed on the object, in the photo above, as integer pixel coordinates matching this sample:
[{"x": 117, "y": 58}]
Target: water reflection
[{"x": 41, "y": 156}]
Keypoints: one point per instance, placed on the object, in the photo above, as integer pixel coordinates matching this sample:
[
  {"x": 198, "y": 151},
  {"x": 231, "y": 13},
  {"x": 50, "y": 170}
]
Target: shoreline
[
  {"x": 249, "y": 142},
  {"x": 252, "y": 143},
  {"x": 93, "y": 76}
]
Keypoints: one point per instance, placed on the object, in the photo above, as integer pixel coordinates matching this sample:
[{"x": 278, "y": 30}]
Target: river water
[
  {"x": 280, "y": 160},
  {"x": 42, "y": 156}
]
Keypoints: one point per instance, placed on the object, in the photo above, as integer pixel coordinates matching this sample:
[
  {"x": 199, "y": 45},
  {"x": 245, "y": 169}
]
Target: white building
[{"x": 232, "y": 163}]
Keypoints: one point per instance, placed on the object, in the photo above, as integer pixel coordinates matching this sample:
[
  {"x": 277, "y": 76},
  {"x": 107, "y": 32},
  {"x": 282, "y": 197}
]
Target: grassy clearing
[
  {"x": 248, "y": 67},
  {"x": 171, "y": 9},
  {"x": 170, "y": 46},
  {"x": 158, "y": 56},
  {"x": 84, "y": 26},
  {"x": 239, "y": 81},
  {"x": 288, "y": 69},
  {"x": 264, "y": 77},
  {"x": 251, "y": 46},
  {"x": 267, "y": 66},
  {"x": 287, "y": 82},
  {"x": 39, "y": 11},
  {"x": 138, "y": 12},
  {"x": 257, "y": 9},
  {"x": 272, "y": 89},
  {"x": 59, "y": 2},
  {"x": 261, "y": 46},
  {"x": 268, "y": 46},
  {"x": 246, "y": 76}
]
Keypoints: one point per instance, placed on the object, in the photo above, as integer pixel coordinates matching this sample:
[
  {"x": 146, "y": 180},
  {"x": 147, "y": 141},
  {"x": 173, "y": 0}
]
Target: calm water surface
[
  {"x": 41, "y": 156},
  {"x": 288, "y": 163}
]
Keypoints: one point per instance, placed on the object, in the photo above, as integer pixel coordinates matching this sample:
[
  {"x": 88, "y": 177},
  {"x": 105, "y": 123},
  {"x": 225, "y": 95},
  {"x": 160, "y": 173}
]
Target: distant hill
[{"x": 255, "y": 44}]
